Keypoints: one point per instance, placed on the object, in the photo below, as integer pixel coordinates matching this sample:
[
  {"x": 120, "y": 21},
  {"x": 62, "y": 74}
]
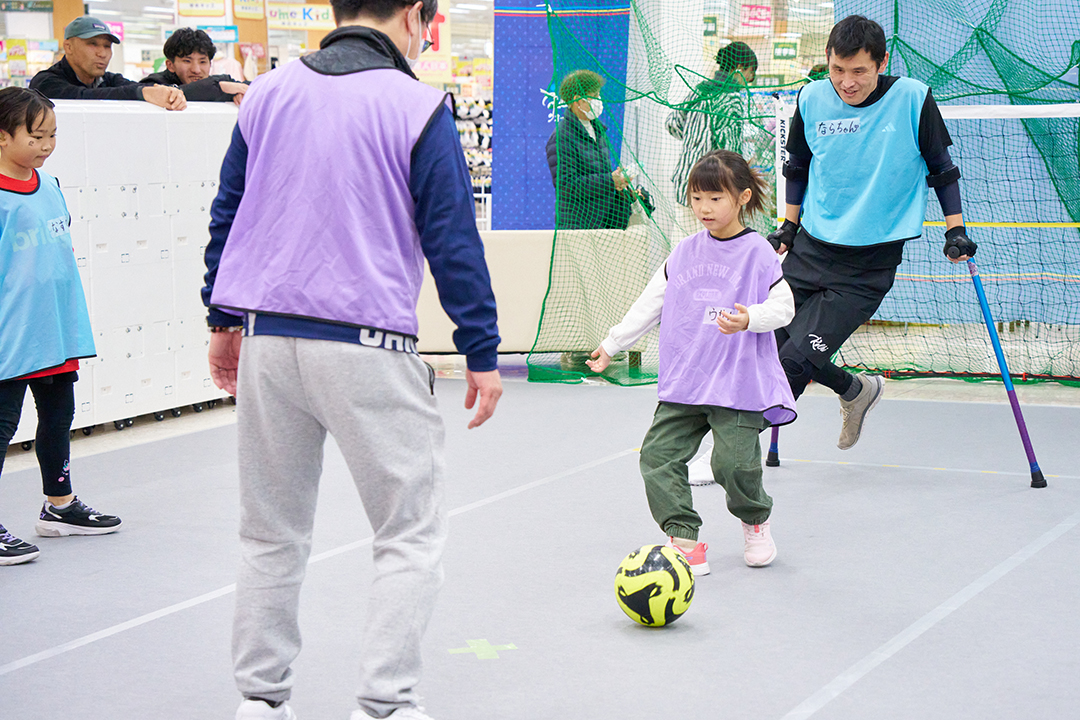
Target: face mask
[{"x": 595, "y": 108}]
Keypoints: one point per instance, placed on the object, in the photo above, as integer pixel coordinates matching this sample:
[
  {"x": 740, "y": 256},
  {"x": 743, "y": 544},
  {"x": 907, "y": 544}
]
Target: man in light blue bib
[{"x": 863, "y": 151}]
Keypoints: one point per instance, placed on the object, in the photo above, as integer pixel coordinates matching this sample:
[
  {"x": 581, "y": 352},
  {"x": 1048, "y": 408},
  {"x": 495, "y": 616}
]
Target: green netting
[{"x": 685, "y": 92}]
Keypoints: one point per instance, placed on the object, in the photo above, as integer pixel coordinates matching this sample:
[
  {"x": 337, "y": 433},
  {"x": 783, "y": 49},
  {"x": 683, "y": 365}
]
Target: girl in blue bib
[{"x": 44, "y": 325}]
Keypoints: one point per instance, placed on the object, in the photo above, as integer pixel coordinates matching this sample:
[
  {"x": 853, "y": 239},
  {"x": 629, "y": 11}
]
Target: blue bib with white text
[
  {"x": 867, "y": 180},
  {"x": 43, "y": 317}
]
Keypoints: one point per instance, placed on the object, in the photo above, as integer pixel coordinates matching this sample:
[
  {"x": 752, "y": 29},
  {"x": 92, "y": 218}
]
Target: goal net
[{"x": 687, "y": 86}]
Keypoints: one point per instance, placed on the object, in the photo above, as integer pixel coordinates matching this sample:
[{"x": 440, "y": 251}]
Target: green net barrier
[{"x": 690, "y": 86}]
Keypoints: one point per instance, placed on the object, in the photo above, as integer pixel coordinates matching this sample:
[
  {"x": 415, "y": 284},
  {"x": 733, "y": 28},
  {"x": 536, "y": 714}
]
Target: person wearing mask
[
  {"x": 326, "y": 295},
  {"x": 589, "y": 194},
  {"x": 712, "y": 116},
  {"x": 82, "y": 75},
  {"x": 188, "y": 56}
]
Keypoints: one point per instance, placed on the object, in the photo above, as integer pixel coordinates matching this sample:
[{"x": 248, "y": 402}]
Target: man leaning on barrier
[{"x": 81, "y": 74}]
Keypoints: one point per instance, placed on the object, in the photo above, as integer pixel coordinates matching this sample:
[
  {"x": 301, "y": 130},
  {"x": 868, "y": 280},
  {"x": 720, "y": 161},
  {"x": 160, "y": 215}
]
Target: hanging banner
[
  {"x": 27, "y": 6},
  {"x": 281, "y": 16},
  {"x": 755, "y": 19},
  {"x": 249, "y": 9},
  {"x": 785, "y": 49},
  {"x": 201, "y": 8},
  {"x": 117, "y": 29},
  {"x": 16, "y": 55},
  {"x": 221, "y": 33}
]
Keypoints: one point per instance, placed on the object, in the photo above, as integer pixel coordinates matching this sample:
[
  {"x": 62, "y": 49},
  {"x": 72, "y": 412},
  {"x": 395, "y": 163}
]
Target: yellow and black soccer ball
[{"x": 654, "y": 585}]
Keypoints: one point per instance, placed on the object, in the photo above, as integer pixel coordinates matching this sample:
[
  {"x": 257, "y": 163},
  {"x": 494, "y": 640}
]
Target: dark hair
[
  {"x": 855, "y": 33},
  {"x": 726, "y": 171},
  {"x": 186, "y": 41},
  {"x": 735, "y": 55},
  {"x": 580, "y": 84},
  {"x": 22, "y": 108},
  {"x": 380, "y": 9}
]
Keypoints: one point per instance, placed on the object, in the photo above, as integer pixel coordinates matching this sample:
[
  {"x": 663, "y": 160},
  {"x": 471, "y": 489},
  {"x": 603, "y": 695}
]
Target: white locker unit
[{"x": 139, "y": 182}]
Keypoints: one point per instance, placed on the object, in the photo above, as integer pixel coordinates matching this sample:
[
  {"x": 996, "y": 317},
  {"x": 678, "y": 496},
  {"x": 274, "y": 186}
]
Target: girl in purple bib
[{"x": 718, "y": 299}]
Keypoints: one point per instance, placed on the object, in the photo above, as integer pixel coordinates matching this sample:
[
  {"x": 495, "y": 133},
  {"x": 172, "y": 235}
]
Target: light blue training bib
[
  {"x": 867, "y": 180},
  {"x": 43, "y": 317}
]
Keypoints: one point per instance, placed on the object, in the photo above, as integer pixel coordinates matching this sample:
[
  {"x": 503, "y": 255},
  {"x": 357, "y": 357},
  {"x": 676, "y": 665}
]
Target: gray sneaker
[{"x": 853, "y": 412}]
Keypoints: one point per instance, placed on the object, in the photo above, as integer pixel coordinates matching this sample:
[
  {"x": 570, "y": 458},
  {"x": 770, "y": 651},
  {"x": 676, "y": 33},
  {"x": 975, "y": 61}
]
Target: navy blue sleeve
[
  {"x": 797, "y": 167},
  {"x": 222, "y": 212},
  {"x": 446, "y": 220}
]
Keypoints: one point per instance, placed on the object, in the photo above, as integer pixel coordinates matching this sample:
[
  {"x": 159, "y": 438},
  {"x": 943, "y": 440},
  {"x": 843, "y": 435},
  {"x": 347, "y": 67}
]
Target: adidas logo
[{"x": 889, "y": 128}]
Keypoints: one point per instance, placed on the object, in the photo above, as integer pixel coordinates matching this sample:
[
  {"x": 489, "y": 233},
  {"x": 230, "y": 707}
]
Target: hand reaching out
[{"x": 600, "y": 360}]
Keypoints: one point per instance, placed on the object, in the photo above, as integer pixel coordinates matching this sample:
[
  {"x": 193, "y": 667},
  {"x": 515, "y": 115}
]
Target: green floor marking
[{"x": 483, "y": 649}]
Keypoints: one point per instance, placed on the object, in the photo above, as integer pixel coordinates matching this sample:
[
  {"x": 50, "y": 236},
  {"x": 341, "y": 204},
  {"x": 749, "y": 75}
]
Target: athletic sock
[
  {"x": 680, "y": 542},
  {"x": 65, "y": 506},
  {"x": 853, "y": 391}
]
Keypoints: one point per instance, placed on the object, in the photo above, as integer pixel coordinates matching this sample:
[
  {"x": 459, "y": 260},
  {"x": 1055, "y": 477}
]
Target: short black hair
[
  {"x": 187, "y": 40},
  {"x": 380, "y": 9},
  {"x": 728, "y": 172},
  {"x": 855, "y": 33},
  {"x": 736, "y": 55},
  {"x": 22, "y": 108}
]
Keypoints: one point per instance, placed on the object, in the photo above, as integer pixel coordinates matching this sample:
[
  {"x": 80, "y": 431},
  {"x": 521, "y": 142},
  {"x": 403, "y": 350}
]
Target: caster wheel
[
  {"x": 159, "y": 416},
  {"x": 232, "y": 399},
  {"x": 175, "y": 412},
  {"x": 129, "y": 422},
  {"x": 27, "y": 445},
  {"x": 88, "y": 431},
  {"x": 119, "y": 424},
  {"x": 211, "y": 404},
  {"x": 197, "y": 407}
]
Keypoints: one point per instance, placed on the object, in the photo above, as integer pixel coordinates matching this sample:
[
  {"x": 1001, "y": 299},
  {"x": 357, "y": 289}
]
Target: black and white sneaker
[
  {"x": 78, "y": 518},
  {"x": 13, "y": 550}
]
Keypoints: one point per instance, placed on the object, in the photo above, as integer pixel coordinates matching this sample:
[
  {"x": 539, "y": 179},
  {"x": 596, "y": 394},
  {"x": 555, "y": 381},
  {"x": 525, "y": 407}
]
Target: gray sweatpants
[{"x": 379, "y": 407}]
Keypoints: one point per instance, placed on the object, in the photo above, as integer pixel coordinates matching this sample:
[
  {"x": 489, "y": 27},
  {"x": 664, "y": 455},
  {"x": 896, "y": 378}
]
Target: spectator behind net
[
  {"x": 590, "y": 195},
  {"x": 712, "y": 116},
  {"x": 188, "y": 53},
  {"x": 81, "y": 74}
]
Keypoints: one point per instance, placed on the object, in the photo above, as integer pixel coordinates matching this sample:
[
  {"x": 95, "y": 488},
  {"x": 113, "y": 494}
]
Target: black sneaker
[
  {"x": 13, "y": 550},
  {"x": 76, "y": 519}
]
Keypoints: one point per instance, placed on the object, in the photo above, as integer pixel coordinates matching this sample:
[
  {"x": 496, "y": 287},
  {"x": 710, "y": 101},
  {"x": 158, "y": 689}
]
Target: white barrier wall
[{"x": 139, "y": 182}]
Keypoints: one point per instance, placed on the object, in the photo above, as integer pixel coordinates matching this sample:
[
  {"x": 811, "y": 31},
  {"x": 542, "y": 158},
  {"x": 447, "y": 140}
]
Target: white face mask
[{"x": 595, "y": 108}]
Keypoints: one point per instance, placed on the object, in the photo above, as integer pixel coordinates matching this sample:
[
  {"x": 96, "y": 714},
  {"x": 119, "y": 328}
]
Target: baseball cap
[{"x": 87, "y": 27}]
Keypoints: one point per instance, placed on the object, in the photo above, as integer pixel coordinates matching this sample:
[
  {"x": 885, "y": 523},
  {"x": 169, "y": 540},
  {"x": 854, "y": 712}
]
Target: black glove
[
  {"x": 783, "y": 235},
  {"x": 957, "y": 243}
]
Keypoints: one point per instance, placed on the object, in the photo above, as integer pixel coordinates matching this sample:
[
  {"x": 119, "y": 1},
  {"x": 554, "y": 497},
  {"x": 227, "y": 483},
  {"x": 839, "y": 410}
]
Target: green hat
[{"x": 87, "y": 27}]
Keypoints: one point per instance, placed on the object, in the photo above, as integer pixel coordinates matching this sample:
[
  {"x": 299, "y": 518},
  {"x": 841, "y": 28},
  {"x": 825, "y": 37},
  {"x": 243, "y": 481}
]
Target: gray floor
[{"x": 918, "y": 575}]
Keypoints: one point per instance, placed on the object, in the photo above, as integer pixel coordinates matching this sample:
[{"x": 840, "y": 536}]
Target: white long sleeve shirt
[{"x": 775, "y": 312}]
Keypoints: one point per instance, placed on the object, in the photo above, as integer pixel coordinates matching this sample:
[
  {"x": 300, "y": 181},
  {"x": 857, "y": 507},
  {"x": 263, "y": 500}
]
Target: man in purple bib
[{"x": 344, "y": 175}]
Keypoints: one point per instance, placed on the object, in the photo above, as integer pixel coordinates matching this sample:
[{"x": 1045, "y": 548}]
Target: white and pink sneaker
[
  {"x": 759, "y": 549},
  {"x": 696, "y": 557}
]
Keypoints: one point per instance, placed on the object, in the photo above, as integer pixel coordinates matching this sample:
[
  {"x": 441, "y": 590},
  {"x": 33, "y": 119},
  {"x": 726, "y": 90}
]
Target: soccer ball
[{"x": 654, "y": 585}]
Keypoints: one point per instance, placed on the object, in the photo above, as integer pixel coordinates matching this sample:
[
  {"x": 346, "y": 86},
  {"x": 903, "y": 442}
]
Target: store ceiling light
[
  {"x": 465, "y": 6},
  {"x": 459, "y": 11},
  {"x": 151, "y": 9},
  {"x": 804, "y": 11}
]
